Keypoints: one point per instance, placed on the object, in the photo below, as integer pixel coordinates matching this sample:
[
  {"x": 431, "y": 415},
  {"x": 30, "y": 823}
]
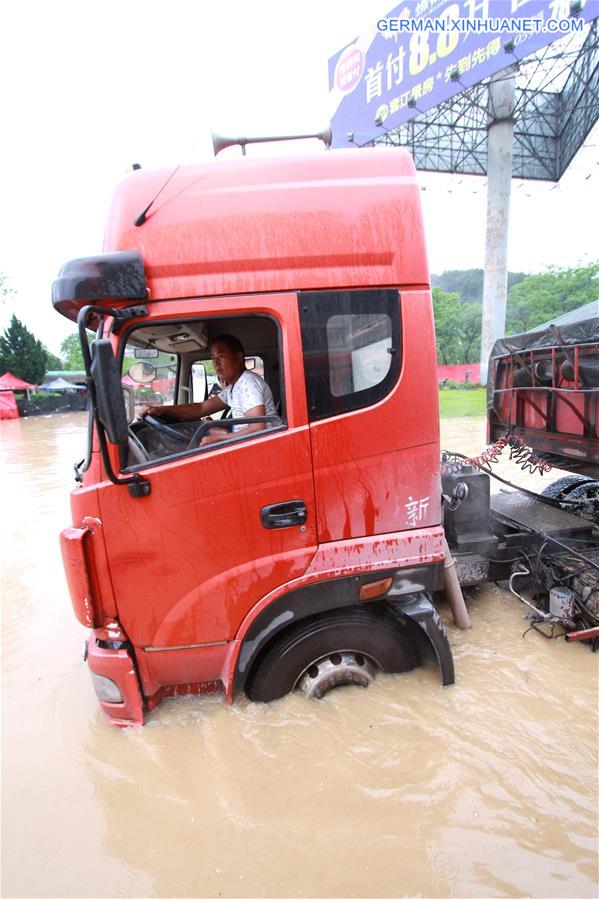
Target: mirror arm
[
  {"x": 137, "y": 485},
  {"x": 123, "y": 315}
]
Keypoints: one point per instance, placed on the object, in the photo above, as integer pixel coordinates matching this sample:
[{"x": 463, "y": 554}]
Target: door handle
[{"x": 284, "y": 515}]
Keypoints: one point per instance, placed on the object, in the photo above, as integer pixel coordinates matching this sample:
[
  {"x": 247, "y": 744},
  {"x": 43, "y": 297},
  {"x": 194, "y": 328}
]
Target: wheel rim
[{"x": 336, "y": 669}]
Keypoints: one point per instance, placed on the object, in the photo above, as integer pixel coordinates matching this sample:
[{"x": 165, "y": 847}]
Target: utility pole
[{"x": 502, "y": 91}]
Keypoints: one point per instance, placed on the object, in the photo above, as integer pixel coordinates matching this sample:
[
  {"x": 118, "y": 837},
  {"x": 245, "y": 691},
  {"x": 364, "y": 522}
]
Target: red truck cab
[{"x": 301, "y": 556}]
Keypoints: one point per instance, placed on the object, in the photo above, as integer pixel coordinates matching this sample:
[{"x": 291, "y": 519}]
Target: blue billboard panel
[{"x": 425, "y": 51}]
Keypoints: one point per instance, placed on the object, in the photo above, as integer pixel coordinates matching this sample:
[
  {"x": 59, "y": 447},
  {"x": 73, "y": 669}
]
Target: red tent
[
  {"x": 8, "y": 405},
  {"x": 9, "y": 381}
]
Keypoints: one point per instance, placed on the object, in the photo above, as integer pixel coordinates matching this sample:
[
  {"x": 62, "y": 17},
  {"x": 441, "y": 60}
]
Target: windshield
[{"x": 160, "y": 390}]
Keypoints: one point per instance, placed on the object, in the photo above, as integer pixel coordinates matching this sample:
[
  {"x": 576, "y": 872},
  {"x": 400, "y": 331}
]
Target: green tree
[
  {"x": 53, "y": 363},
  {"x": 469, "y": 326},
  {"x": 458, "y": 327},
  {"x": 21, "y": 353},
  {"x": 70, "y": 350},
  {"x": 446, "y": 310},
  {"x": 544, "y": 296}
]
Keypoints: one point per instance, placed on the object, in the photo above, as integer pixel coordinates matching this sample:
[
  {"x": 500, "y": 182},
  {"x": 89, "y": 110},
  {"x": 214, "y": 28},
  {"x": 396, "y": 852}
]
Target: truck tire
[
  {"x": 562, "y": 488},
  {"x": 587, "y": 494},
  {"x": 347, "y": 646}
]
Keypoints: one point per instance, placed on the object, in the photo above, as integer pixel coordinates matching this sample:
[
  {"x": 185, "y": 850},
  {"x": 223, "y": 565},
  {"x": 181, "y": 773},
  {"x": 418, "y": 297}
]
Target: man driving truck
[{"x": 245, "y": 393}]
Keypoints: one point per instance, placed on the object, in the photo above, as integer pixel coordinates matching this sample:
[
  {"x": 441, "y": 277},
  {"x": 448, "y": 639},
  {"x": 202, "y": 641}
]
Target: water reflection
[{"x": 485, "y": 788}]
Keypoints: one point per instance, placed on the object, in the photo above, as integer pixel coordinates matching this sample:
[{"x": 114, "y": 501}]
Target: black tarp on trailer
[{"x": 544, "y": 385}]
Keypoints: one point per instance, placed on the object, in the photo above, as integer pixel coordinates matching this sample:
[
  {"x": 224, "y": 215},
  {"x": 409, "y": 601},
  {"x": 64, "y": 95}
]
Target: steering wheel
[
  {"x": 228, "y": 424},
  {"x": 165, "y": 429},
  {"x": 136, "y": 448},
  {"x": 202, "y": 430}
]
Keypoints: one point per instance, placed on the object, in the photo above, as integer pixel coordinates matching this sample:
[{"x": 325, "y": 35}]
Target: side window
[
  {"x": 203, "y": 382},
  {"x": 255, "y": 363},
  {"x": 193, "y": 374},
  {"x": 200, "y": 383},
  {"x": 352, "y": 348}
]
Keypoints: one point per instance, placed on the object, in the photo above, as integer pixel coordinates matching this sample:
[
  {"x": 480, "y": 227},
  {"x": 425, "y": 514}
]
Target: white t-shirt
[{"x": 249, "y": 391}]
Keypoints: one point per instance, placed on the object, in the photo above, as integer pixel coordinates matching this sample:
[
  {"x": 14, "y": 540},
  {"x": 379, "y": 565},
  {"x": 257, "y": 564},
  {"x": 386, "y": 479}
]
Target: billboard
[{"x": 425, "y": 51}]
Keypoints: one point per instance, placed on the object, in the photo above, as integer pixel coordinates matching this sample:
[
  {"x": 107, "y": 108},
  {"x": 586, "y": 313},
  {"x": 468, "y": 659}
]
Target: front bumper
[{"x": 116, "y": 665}]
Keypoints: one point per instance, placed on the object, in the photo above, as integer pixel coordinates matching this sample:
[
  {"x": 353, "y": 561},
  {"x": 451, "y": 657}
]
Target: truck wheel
[
  {"x": 562, "y": 488},
  {"x": 587, "y": 494},
  {"x": 348, "y": 646}
]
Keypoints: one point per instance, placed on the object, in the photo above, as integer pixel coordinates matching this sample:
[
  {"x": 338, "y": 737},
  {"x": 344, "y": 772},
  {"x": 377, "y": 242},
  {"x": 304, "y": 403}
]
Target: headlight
[{"x": 106, "y": 688}]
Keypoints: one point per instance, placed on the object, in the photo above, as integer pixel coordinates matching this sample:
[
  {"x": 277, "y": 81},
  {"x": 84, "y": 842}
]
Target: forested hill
[
  {"x": 532, "y": 299},
  {"x": 469, "y": 282}
]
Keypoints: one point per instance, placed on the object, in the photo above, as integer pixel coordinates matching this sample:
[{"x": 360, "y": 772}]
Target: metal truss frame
[{"x": 557, "y": 104}]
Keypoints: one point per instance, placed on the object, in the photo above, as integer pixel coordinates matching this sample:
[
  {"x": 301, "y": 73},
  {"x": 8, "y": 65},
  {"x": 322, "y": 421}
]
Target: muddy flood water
[{"x": 487, "y": 788}]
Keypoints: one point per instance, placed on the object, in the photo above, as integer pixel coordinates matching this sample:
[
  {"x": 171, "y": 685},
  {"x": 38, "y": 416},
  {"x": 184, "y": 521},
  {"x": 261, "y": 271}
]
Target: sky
[{"x": 90, "y": 88}]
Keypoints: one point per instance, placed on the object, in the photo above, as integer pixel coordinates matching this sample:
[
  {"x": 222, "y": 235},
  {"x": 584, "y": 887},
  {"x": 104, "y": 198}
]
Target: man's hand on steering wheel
[
  {"x": 215, "y": 435},
  {"x": 156, "y": 411}
]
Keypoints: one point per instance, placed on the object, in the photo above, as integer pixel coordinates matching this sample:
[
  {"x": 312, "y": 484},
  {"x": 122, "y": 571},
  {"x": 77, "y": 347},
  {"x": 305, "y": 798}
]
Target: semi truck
[{"x": 309, "y": 553}]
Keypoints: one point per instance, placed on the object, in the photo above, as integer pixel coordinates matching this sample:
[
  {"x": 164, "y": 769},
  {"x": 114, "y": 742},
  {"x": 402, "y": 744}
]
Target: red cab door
[{"x": 191, "y": 559}]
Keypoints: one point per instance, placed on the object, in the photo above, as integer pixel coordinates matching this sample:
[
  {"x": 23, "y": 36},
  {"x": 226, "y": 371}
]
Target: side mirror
[
  {"x": 109, "y": 392},
  {"x": 142, "y": 372}
]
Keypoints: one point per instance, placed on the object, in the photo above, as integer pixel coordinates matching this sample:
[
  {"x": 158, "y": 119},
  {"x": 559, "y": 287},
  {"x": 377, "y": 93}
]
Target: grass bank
[{"x": 455, "y": 403}]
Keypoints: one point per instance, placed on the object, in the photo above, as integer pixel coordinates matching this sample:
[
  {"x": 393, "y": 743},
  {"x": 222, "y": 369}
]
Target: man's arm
[
  {"x": 186, "y": 411},
  {"x": 219, "y": 435},
  {"x": 256, "y": 412}
]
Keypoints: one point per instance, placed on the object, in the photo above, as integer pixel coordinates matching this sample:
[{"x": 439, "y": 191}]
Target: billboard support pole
[{"x": 502, "y": 90}]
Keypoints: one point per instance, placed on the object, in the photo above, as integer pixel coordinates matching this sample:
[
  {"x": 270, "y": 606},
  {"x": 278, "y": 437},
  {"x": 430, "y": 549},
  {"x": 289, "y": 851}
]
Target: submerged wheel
[
  {"x": 348, "y": 646},
  {"x": 334, "y": 670},
  {"x": 562, "y": 488}
]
